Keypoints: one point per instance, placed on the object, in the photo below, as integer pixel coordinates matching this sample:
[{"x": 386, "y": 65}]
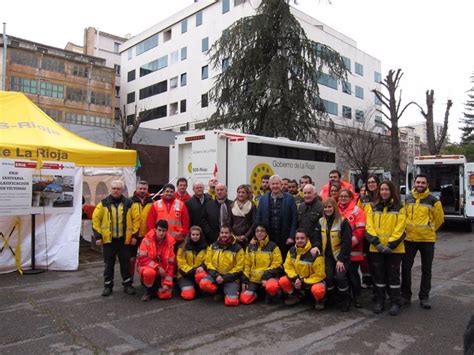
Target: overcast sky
[{"x": 431, "y": 40}]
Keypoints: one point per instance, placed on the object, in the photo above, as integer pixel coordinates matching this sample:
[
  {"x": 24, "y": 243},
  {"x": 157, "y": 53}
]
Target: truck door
[
  {"x": 469, "y": 189},
  {"x": 409, "y": 178}
]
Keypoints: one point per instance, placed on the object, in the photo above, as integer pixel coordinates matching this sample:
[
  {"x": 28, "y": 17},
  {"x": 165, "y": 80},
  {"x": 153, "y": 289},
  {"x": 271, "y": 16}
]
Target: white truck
[
  {"x": 451, "y": 179},
  {"x": 237, "y": 158}
]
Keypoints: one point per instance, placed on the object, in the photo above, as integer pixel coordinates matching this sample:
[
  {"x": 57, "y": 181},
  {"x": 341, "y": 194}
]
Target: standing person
[
  {"x": 211, "y": 187},
  {"x": 181, "y": 190},
  {"x": 264, "y": 188},
  {"x": 303, "y": 272},
  {"x": 333, "y": 237},
  {"x": 216, "y": 213},
  {"x": 242, "y": 217},
  {"x": 115, "y": 223},
  {"x": 334, "y": 188},
  {"x": 310, "y": 210},
  {"x": 191, "y": 257},
  {"x": 277, "y": 210},
  {"x": 293, "y": 191},
  {"x": 224, "y": 264},
  {"x": 424, "y": 217},
  {"x": 172, "y": 211},
  {"x": 262, "y": 268},
  {"x": 385, "y": 231},
  {"x": 156, "y": 262},
  {"x": 305, "y": 180},
  {"x": 335, "y": 176},
  {"x": 284, "y": 184},
  {"x": 142, "y": 201},
  {"x": 195, "y": 204},
  {"x": 356, "y": 218}
]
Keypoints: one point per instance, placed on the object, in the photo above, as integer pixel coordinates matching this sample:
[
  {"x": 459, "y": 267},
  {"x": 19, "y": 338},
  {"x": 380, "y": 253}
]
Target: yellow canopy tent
[{"x": 26, "y": 132}]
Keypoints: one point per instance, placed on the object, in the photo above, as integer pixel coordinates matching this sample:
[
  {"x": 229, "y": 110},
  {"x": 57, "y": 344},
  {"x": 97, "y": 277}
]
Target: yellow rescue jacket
[
  {"x": 108, "y": 221},
  {"x": 143, "y": 210},
  {"x": 299, "y": 263},
  {"x": 226, "y": 261},
  {"x": 190, "y": 257},
  {"x": 424, "y": 216},
  {"x": 262, "y": 261},
  {"x": 386, "y": 225}
]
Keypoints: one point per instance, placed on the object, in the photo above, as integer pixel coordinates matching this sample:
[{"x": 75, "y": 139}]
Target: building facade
[
  {"x": 70, "y": 87},
  {"x": 421, "y": 131},
  {"x": 410, "y": 146},
  {"x": 165, "y": 69}
]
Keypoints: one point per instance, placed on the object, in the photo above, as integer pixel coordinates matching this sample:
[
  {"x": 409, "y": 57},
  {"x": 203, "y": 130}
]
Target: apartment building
[
  {"x": 410, "y": 145},
  {"x": 70, "y": 87},
  {"x": 165, "y": 69}
]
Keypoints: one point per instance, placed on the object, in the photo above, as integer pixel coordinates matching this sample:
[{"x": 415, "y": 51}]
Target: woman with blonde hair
[{"x": 243, "y": 213}]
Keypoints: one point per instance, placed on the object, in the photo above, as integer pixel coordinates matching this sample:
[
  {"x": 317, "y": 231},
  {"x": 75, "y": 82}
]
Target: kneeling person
[
  {"x": 304, "y": 272},
  {"x": 191, "y": 256},
  {"x": 262, "y": 267},
  {"x": 156, "y": 262},
  {"x": 224, "y": 264}
]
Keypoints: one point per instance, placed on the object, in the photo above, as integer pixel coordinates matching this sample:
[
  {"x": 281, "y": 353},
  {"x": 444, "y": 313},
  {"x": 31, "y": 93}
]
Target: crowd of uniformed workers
[{"x": 283, "y": 243}]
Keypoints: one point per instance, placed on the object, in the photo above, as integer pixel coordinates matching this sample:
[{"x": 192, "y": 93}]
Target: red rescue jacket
[{"x": 356, "y": 218}]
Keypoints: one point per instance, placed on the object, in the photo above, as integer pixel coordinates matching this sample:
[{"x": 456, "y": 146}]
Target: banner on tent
[{"x": 24, "y": 189}]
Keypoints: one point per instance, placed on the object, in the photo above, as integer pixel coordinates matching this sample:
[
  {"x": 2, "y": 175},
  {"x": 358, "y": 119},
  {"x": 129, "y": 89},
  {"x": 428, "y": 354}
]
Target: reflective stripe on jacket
[
  {"x": 300, "y": 264},
  {"x": 262, "y": 261},
  {"x": 424, "y": 216},
  {"x": 356, "y": 218},
  {"x": 189, "y": 259},
  {"x": 143, "y": 210},
  {"x": 177, "y": 217},
  {"x": 226, "y": 261}
]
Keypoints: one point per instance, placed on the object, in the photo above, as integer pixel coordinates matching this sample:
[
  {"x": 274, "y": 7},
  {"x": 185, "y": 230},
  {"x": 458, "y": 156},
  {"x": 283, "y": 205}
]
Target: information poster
[{"x": 24, "y": 189}]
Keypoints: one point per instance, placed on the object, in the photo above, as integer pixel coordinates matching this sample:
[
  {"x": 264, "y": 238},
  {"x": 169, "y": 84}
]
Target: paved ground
[{"x": 63, "y": 312}]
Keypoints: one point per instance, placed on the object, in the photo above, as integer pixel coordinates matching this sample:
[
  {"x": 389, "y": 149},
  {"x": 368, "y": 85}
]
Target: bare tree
[
  {"x": 129, "y": 125},
  {"x": 393, "y": 103},
  {"x": 435, "y": 143}
]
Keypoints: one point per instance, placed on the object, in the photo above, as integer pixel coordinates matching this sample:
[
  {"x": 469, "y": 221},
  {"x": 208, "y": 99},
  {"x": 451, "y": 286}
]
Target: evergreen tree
[
  {"x": 468, "y": 120},
  {"x": 270, "y": 71}
]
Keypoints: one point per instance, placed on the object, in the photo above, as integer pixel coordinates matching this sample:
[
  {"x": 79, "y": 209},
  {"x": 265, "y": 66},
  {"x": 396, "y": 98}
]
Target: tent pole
[{"x": 33, "y": 270}]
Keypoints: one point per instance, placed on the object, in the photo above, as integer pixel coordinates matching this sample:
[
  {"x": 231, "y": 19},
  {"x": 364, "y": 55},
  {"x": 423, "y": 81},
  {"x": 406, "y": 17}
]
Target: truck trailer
[
  {"x": 236, "y": 158},
  {"x": 451, "y": 180}
]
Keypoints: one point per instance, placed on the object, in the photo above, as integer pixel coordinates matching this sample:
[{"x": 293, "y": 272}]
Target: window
[
  {"x": 225, "y": 64},
  {"x": 328, "y": 80},
  {"x": 157, "y": 64},
  {"x": 79, "y": 70},
  {"x": 199, "y": 19},
  {"x": 24, "y": 58},
  {"x": 131, "y": 97},
  {"x": 225, "y": 6},
  {"x": 184, "y": 53},
  {"x": 157, "y": 112},
  {"x": 330, "y": 107},
  {"x": 53, "y": 64},
  {"x": 116, "y": 47},
  {"x": 359, "y": 115},
  {"x": 347, "y": 63},
  {"x": 377, "y": 77},
  {"x": 51, "y": 90},
  {"x": 131, "y": 75},
  {"x": 204, "y": 100},
  {"x": 346, "y": 87},
  {"x": 184, "y": 26},
  {"x": 174, "y": 83},
  {"x": 174, "y": 57},
  {"x": 359, "y": 69},
  {"x": 238, "y": 2},
  {"x": 167, "y": 35},
  {"x": 56, "y": 115},
  {"x": 130, "y": 53},
  {"x": 377, "y": 100},
  {"x": 346, "y": 112},
  {"x": 147, "y": 44},
  {"x": 204, "y": 44},
  {"x": 378, "y": 120},
  {"x": 77, "y": 95},
  {"x": 117, "y": 91},
  {"x": 182, "y": 106},
  {"x": 102, "y": 74},
  {"x": 153, "y": 90},
  {"x": 184, "y": 79},
  {"x": 117, "y": 69},
  {"x": 27, "y": 86},
  {"x": 359, "y": 92},
  {"x": 100, "y": 98},
  {"x": 205, "y": 72},
  {"x": 174, "y": 109}
]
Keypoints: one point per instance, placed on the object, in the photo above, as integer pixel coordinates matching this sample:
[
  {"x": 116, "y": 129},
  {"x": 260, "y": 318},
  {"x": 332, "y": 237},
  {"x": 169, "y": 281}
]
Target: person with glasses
[{"x": 356, "y": 217}]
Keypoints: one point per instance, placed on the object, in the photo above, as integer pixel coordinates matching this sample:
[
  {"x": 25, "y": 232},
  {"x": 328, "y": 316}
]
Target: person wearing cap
[
  {"x": 262, "y": 267},
  {"x": 304, "y": 273},
  {"x": 156, "y": 262},
  {"x": 224, "y": 264},
  {"x": 190, "y": 257}
]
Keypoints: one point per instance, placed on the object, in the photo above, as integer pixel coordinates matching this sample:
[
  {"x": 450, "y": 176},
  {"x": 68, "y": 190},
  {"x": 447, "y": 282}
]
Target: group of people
[{"x": 281, "y": 242}]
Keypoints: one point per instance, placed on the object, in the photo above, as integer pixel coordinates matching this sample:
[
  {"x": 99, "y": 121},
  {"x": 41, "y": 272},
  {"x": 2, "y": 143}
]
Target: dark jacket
[
  {"x": 210, "y": 219},
  {"x": 309, "y": 215},
  {"x": 288, "y": 218},
  {"x": 195, "y": 210},
  {"x": 244, "y": 225}
]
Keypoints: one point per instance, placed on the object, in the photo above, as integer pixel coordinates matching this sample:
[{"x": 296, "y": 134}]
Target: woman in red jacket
[
  {"x": 156, "y": 262},
  {"x": 355, "y": 215}
]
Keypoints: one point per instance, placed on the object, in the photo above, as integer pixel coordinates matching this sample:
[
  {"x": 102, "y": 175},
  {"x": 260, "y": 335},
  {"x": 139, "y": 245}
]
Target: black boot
[
  {"x": 107, "y": 291},
  {"x": 394, "y": 310}
]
